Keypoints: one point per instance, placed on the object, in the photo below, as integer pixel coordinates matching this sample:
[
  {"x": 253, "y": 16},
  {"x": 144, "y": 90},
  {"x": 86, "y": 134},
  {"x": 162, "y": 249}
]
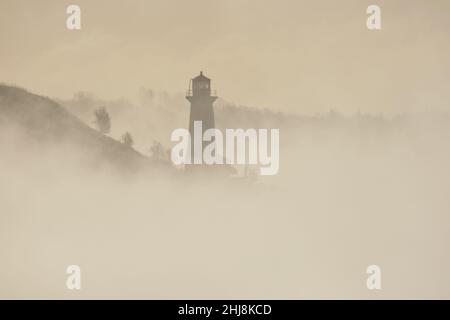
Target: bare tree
[
  {"x": 157, "y": 151},
  {"x": 127, "y": 140},
  {"x": 102, "y": 120}
]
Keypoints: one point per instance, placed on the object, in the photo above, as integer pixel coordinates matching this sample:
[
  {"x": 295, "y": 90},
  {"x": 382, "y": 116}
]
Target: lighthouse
[{"x": 201, "y": 98}]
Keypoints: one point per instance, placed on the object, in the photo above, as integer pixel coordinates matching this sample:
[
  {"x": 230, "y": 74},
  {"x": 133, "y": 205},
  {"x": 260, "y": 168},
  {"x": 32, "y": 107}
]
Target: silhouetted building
[{"x": 201, "y": 98}]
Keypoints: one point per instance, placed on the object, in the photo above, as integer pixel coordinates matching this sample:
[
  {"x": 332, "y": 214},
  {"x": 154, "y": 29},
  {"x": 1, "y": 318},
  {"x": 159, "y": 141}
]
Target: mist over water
[{"x": 351, "y": 191}]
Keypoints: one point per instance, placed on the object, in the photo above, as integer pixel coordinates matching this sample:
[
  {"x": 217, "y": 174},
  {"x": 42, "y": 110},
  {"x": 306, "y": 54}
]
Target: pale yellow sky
[{"x": 289, "y": 55}]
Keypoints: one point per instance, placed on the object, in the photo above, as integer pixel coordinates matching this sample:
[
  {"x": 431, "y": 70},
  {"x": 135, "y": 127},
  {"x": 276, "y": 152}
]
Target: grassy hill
[{"x": 43, "y": 121}]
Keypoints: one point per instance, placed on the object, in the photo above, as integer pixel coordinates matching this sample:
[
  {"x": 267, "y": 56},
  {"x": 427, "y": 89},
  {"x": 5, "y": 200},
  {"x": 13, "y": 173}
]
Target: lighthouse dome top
[
  {"x": 201, "y": 77},
  {"x": 200, "y": 86}
]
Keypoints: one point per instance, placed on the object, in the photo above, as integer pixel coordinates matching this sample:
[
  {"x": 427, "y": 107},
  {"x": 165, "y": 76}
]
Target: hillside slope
[{"x": 43, "y": 121}]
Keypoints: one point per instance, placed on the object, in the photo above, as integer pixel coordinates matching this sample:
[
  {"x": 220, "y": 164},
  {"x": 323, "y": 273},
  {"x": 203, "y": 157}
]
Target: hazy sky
[{"x": 290, "y": 55}]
